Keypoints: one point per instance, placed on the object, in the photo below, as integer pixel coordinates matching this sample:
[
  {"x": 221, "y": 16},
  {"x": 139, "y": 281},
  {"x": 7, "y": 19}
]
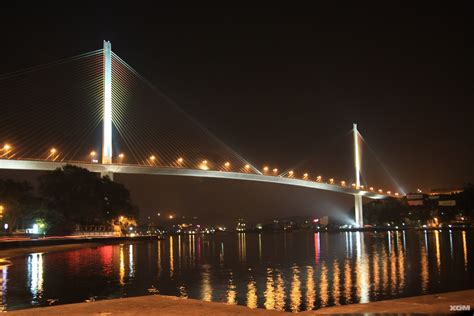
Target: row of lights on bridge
[{"x": 204, "y": 165}]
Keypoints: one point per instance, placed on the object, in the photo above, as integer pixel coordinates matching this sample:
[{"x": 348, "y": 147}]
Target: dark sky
[{"x": 281, "y": 85}]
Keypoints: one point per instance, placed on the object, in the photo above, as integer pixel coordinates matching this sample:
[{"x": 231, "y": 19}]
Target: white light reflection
[
  {"x": 361, "y": 269},
  {"x": 131, "y": 262},
  {"x": 424, "y": 266},
  {"x": 451, "y": 243},
  {"x": 35, "y": 276},
  {"x": 3, "y": 284}
]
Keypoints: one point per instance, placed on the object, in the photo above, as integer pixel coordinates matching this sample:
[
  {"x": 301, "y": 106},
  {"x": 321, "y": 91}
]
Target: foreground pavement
[{"x": 171, "y": 306}]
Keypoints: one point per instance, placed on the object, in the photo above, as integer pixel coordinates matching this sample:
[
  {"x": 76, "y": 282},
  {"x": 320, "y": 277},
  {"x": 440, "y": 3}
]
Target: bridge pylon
[
  {"x": 107, "y": 115},
  {"x": 358, "y": 208}
]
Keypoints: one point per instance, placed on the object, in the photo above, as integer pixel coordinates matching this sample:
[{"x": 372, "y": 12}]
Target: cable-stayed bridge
[{"x": 95, "y": 111}]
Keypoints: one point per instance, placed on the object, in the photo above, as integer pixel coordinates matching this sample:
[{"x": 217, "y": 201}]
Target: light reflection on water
[
  {"x": 3, "y": 284},
  {"x": 292, "y": 271},
  {"x": 35, "y": 276}
]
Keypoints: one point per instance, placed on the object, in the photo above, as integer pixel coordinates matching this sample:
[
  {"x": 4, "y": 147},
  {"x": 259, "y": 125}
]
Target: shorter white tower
[{"x": 359, "y": 216}]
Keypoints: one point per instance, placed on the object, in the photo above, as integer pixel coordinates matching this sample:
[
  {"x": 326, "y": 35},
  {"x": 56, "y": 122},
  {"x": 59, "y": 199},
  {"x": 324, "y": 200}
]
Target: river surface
[{"x": 282, "y": 271}]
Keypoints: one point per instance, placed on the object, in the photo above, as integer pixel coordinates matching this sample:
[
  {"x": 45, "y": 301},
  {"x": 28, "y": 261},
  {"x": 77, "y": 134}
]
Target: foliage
[
  {"x": 17, "y": 200},
  {"x": 381, "y": 212},
  {"x": 466, "y": 200},
  {"x": 68, "y": 197},
  {"x": 83, "y": 198}
]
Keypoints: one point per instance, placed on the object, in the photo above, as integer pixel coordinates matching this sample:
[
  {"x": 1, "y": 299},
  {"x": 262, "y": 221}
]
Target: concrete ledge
[
  {"x": 425, "y": 304},
  {"x": 170, "y": 305},
  {"x": 147, "y": 305}
]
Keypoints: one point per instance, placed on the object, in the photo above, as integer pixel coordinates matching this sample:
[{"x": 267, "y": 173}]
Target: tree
[
  {"x": 380, "y": 212},
  {"x": 17, "y": 200},
  {"x": 117, "y": 200},
  {"x": 466, "y": 200},
  {"x": 83, "y": 198}
]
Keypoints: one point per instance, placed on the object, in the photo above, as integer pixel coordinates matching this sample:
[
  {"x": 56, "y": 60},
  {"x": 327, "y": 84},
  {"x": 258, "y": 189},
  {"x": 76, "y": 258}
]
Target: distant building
[
  {"x": 241, "y": 226},
  {"x": 445, "y": 191}
]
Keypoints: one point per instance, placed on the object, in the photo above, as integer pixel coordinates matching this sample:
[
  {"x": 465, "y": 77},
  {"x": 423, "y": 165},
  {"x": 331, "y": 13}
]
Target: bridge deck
[{"x": 135, "y": 169}]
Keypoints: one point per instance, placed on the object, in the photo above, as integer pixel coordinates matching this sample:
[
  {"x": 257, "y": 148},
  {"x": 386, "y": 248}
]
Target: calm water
[{"x": 294, "y": 272}]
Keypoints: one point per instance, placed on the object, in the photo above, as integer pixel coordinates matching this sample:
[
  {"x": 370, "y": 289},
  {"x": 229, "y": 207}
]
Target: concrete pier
[{"x": 173, "y": 306}]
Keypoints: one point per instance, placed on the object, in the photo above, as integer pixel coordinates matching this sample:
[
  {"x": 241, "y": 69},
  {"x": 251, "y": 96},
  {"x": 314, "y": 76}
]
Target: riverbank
[
  {"x": 167, "y": 305},
  {"x": 10, "y": 249},
  {"x": 50, "y": 241}
]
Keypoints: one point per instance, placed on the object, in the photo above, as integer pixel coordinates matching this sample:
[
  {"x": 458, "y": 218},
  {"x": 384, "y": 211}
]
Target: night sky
[{"x": 280, "y": 85}]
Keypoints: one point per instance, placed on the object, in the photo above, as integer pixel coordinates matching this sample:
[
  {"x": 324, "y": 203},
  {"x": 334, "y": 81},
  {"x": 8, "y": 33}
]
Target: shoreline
[
  {"x": 169, "y": 305},
  {"x": 15, "y": 250}
]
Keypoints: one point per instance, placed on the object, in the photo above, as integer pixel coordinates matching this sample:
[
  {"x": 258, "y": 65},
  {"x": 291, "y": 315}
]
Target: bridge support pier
[
  {"x": 358, "y": 208},
  {"x": 359, "y": 214}
]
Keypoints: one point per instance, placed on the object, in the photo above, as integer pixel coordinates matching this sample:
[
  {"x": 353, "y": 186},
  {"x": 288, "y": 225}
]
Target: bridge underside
[{"x": 133, "y": 169}]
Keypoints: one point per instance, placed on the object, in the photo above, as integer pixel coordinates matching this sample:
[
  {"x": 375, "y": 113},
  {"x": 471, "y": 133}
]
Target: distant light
[
  {"x": 35, "y": 229},
  {"x": 130, "y": 228},
  {"x": 331, "y": 181},
  {"x": 171, "y": 217},
  {"x": 380, "y": 191},
  {"x": 362, "y": 187},
  {"x": 389, "y": 192},
  {"x": 265, "y": 169},
  {"x": 319, "y": 178},
  {"x": 152, "y": 158},
  {"x": 343, "y": 183},
  {"x": 396, "y": 194},
  {"x": 290, "y": 173},
  {"x": 7, "y": 147},
  {"x": 305, "y": 175},
  {"x": 5, "y": 226},
  {"x": 180, "y": 160},
  {"x": 227, "y": 164},
  {"x": 247, "y": 166},
  {"x": 275, "y": 170},
  {"x": 93, "y": 153},
  {"x": 204, "y": 165},
  {"x": 121, "y": 156},
  {"x": 315, "y": 220},
  {"x": 371, "y": 188}
]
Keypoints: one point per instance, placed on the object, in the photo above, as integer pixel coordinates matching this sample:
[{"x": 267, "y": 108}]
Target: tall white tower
[
  {"x": 107, "y": 119},
  {"x": 359, "y": 216}
]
